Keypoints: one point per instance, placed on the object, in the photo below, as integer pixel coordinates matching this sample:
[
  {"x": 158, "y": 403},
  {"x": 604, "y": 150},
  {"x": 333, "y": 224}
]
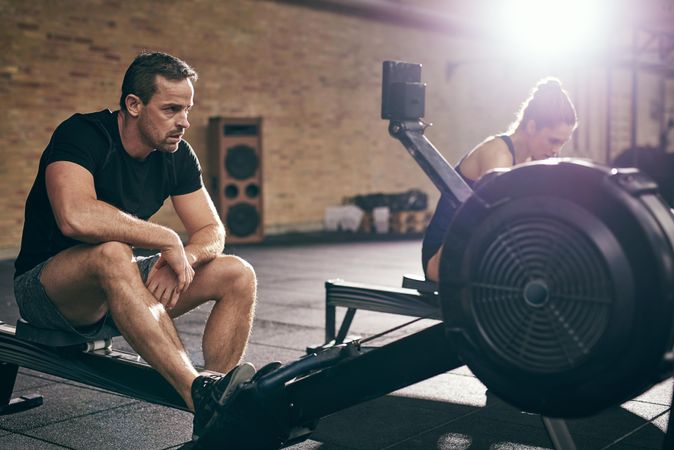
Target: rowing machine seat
[{"x": 61, "y": 339}]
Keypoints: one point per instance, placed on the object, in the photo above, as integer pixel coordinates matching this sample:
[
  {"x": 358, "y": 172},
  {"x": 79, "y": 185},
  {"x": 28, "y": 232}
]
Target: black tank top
[{"x": 509, "y": 143}]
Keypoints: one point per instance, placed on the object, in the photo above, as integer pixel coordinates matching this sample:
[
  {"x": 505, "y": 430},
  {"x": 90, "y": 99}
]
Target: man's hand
[
  {"x": 176, "y": 259},
  {"x": 162, "y": 282}
]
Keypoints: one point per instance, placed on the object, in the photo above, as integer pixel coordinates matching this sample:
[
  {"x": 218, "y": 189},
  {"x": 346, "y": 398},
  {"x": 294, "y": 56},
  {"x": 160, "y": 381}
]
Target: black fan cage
[{"x": 541, "y": 294}]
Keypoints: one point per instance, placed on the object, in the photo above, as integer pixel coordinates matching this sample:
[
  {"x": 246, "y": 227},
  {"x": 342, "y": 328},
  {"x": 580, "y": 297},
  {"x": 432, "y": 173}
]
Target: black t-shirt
[
  {"x": 444, "y": 213},
  {"x": 135, "y": 187}
]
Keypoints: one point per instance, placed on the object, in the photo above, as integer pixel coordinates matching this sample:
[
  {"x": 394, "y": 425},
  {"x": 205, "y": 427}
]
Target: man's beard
[{"x": 148, "y": 136}]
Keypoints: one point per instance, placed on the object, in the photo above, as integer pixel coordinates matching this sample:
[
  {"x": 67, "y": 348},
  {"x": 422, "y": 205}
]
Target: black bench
[{"x": 63, "y": 355}]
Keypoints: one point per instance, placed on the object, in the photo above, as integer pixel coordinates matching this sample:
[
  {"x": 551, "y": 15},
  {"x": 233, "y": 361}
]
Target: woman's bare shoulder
[
  {"x": 493, "y": 144},
  {"x": 492, "y": 153}
]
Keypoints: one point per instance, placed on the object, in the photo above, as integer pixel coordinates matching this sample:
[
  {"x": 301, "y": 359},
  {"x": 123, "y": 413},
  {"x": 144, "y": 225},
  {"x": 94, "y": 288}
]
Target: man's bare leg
[
  {"x": 231, "y": 282},
  {"x": 86, "y": 281}
]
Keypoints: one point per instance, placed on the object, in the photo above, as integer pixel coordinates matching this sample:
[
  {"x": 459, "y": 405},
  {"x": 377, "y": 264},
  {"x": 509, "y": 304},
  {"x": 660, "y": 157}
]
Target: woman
[{"x": 545, "y": 122}]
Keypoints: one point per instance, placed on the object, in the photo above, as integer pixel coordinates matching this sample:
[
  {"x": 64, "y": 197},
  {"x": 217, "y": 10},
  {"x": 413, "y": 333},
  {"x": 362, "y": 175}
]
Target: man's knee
[
  {"x": 245, "y": 271},
  {"x": 237, "y": 274},
  {"x": 114, "y": 259}
]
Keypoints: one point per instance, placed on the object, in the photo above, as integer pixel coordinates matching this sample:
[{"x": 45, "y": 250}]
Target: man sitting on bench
[{"x": 102, "y": 176}]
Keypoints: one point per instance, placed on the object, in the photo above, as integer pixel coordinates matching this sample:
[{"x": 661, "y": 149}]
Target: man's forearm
[
  {"x": 205, "y": 244},
  {"x": 99, "y": 222}
]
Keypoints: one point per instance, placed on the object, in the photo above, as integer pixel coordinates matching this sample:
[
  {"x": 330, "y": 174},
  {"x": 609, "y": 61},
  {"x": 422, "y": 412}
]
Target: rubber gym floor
[{"x": 450, "y": 411}]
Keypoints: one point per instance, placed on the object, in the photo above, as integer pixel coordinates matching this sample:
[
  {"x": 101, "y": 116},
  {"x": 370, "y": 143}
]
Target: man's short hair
[{"x": 141, "y": 77}]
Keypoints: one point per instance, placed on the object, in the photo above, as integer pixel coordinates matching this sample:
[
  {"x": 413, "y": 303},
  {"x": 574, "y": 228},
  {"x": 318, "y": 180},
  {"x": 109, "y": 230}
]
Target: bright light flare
[{"x": 552, "y": 28}]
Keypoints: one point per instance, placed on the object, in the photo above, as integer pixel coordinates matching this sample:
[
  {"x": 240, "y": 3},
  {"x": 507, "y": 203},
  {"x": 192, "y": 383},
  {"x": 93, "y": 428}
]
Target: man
[{"x": 99, "y": 180}]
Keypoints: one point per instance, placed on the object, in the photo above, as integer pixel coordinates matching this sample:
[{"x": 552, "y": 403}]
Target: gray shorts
[{"x": 37, "y": 308}]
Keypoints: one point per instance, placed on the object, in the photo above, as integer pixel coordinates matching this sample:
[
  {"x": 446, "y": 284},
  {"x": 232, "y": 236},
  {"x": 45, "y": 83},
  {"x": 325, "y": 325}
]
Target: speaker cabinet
[{"x": 237, "y": 154}]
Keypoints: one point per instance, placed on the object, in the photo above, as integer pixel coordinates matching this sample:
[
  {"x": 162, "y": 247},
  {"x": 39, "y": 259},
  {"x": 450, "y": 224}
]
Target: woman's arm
[{"x": 491, "y": 154}]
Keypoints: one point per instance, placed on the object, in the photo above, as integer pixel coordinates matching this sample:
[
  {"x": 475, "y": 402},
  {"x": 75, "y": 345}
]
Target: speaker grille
[
  {"x": 241, "y": 162},
  {"x": 242, "y": 219},
  {"x": 541, "y": 294}
]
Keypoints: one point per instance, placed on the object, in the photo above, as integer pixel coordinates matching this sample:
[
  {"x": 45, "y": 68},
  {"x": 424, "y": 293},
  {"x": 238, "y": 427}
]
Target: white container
[{"x": 381, "y": 219}]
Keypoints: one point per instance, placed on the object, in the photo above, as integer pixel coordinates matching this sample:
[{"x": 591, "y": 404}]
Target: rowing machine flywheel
[{"x": 556, "y": 280}]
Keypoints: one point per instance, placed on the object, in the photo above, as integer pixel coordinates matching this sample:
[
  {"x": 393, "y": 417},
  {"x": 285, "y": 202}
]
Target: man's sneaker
[{"x": 210, "y": 390}]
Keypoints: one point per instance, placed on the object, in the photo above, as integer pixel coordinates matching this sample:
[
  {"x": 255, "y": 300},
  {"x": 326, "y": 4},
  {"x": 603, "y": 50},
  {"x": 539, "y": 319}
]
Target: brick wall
[{"x": 313, "y": 76}]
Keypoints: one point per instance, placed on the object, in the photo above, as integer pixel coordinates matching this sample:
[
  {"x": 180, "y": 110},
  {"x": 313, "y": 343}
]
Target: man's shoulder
[
  {"x": 104, "y": 115},
  {"x": 85, "y": 126},
  {"x": 82, "y": 138},
  {"x": 184, "y": 147},
  {"x": 185, "y": 153},
  {"x": 86, "y": 120}
]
